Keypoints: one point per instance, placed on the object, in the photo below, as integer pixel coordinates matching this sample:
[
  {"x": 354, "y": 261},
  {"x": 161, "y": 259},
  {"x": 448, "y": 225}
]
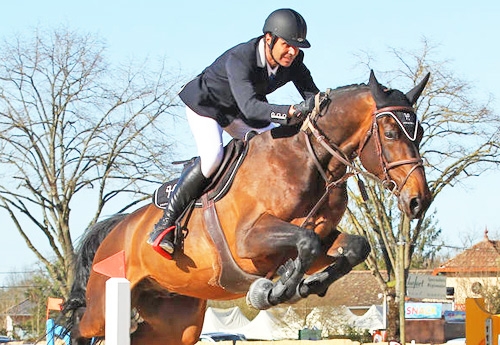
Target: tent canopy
[
  {"x": 217, "y": 320},
  {"x": 266, "y": 326}
]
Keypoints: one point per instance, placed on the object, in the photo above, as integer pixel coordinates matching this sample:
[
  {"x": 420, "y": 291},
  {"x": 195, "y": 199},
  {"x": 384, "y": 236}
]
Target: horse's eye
[{"x": 391, "y": 135}]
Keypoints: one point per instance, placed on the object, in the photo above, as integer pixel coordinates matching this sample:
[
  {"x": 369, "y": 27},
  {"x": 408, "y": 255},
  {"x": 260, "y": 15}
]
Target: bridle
[
  {"x": 386, "y": 166},
  {"x": 310, "y": 126}
]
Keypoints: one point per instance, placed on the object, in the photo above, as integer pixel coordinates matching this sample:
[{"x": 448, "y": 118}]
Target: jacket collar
[{"x": 261, "y": 58}]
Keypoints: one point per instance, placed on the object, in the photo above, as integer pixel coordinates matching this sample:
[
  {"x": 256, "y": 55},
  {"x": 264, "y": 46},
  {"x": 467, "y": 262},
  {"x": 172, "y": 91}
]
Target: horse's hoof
[
  {"x": 314, "y": 284},
  {"x": 257, "y": 295},
  {"x": 304, "y": 288}
]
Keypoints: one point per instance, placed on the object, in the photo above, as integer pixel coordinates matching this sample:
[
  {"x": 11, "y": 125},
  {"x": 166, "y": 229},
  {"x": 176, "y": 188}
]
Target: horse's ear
[
  {"x": 376, "y": 89},
  {"x": 415, "y": 93}
]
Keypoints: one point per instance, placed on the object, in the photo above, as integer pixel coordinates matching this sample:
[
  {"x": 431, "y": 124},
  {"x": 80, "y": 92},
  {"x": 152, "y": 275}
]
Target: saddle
[{"x": 234, "y": 154}]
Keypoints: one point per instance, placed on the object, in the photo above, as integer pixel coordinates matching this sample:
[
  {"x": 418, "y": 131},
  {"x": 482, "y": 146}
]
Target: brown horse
[{"x": 279, "y": 218}]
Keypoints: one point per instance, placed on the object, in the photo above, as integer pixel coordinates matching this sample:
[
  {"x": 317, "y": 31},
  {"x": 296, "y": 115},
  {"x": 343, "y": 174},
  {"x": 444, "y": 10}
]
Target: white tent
[
  {"x": 372, "y": 320},
  {"x": 218, "y": 320},
  {"x": 290, "y": 318},
  {"x": 334, "y": 320},
  {"x": 287, "y": 324},
  {"x": 331, "y": 320},
  {"x": 266, "y": 327}
]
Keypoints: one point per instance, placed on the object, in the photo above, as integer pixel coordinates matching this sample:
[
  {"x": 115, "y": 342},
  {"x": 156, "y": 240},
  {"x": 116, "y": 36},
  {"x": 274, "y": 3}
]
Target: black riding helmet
[{"x": 288, "y": 25}]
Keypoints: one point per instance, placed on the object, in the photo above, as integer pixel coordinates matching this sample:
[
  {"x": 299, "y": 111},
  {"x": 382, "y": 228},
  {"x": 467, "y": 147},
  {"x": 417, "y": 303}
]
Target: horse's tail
[{"x": 92, "y": 238}]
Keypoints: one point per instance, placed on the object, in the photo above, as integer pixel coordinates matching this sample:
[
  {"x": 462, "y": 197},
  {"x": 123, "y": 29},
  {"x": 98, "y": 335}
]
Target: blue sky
[{"x": 191, "y": 34}]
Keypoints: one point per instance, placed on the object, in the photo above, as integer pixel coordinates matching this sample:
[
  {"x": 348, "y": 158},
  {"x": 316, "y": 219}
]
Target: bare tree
[
  {"x": 71, "y": 123},
  {"x": 461, "y": 140}
]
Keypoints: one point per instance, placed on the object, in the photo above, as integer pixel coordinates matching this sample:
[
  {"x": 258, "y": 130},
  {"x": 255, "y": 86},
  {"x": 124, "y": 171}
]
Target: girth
[{"x": 227, "y": 273}]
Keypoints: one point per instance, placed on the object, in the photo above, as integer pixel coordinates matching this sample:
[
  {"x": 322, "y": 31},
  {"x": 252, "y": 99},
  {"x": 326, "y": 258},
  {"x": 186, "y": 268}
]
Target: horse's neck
[{"x": 345, "y": 127}]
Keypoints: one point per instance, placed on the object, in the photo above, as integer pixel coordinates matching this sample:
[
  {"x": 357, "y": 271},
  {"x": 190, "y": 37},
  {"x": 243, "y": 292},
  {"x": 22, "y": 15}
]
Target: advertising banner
[
  {"x": 423, "y": 310},
  {"x": 426, "y": 286}
]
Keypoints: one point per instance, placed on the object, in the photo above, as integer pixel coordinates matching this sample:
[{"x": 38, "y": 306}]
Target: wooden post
[{"x": 401, "y": 278}]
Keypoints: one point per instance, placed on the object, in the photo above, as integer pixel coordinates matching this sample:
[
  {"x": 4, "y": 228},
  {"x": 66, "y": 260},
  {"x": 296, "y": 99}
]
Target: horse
[{"x": 278, "y": 240}]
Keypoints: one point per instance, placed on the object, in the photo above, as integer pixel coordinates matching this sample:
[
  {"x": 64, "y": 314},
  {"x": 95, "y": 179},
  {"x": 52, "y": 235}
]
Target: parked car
[
  {"x": 213, "y": 337},
  {"x": 4, "y": 339}
]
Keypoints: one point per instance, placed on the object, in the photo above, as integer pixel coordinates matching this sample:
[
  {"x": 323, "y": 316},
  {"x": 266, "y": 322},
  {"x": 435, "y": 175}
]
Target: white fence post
[{"x": 117, "y": 311}]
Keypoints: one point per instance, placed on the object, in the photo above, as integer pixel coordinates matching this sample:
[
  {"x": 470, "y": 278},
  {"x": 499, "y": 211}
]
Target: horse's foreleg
[
  {"x": 348, "y": 251},
  {"x": 272, "y": 236}
]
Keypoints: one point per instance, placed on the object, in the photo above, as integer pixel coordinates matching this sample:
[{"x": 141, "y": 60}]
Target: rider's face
[{"x": 282, "y": 52}]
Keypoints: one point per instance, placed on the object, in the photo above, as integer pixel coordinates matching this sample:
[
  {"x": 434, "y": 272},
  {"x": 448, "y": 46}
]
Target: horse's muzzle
[{"x": 414, "y": 205}]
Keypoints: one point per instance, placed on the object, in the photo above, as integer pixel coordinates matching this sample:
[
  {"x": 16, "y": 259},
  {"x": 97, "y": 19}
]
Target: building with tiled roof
[
  {"x": 16, "y": 315},
  {"x": 473, "y": 270}
]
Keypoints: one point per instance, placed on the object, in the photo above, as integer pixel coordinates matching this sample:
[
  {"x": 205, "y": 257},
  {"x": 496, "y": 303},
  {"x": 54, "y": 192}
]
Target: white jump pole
[{"x": 117, "y": 311}]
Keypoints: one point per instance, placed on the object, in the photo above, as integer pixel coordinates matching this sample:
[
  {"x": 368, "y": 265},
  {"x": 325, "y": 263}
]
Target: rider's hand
[
  {"x": 303, "y": 109},
  {"x": 298, "y": 112}
]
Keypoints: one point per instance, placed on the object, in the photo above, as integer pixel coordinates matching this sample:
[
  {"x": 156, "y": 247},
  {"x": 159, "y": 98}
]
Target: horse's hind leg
[
  {"x": 92, "y": 323},
  {"x": 75, "y": 335},
  {"x": 174, "y": 320}
]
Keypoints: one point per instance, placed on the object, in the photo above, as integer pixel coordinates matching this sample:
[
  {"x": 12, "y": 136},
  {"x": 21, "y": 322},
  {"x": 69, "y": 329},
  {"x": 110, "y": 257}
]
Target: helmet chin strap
[{"x": 271, "y": 46}]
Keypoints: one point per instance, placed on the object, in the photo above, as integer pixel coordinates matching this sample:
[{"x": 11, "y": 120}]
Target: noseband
[{"x": 310, "y": 125}]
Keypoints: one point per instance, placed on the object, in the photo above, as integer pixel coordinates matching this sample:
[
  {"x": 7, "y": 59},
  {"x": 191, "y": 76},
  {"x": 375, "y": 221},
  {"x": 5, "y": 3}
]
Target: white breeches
[{"x": 207, "y": 134}]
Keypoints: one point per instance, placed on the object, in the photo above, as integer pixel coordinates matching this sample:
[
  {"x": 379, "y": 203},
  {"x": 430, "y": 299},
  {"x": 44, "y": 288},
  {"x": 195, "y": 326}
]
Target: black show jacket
[{"x": 234, "y": 86}]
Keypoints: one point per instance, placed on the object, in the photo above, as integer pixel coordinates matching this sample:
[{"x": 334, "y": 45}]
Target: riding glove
[{"x": 304, "y": 108}]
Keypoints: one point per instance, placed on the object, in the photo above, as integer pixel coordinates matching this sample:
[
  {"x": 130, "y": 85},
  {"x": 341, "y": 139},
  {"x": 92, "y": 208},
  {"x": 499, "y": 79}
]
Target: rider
[{"x": 230, "y": 95}]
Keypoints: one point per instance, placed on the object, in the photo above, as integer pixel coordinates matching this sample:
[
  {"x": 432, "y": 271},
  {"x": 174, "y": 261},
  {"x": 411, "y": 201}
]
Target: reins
[{"x": 310, "y": 126}]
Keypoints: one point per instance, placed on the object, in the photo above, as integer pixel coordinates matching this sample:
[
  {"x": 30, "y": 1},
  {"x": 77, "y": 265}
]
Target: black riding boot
[{"x": 189, "y": 187}]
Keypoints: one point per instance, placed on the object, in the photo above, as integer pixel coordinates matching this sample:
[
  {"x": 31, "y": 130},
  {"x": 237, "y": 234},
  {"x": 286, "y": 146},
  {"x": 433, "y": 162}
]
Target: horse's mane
[
  {"x": 348, "y": 88},
  {"x": 84, "y": 256}
]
